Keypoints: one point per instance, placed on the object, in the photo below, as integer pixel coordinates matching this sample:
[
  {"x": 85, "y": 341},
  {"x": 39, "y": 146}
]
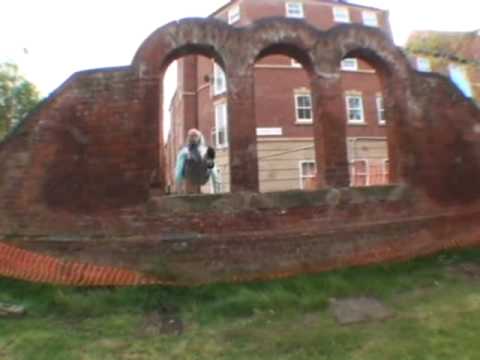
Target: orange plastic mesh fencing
[{"x": 26, "y": 265}]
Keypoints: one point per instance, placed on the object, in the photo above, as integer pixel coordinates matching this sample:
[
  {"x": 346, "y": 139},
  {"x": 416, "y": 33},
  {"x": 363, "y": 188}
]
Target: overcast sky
[{"x": 51, "y": 39}]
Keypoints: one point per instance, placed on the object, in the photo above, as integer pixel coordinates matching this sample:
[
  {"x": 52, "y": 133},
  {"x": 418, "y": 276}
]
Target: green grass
[{"x": 437, "y": 316}]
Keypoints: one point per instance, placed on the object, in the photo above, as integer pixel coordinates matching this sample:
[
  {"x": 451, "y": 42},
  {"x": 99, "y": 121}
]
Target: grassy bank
[{"x": 436, "y": 303}]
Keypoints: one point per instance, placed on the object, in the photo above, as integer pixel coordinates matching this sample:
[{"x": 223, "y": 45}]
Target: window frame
[
  {"x": 233, "y": 14},
  {"x": 367, "y": 21},
  {"x": 301, "y": 13},
  {"x": 362, "y": 110},
  {"x": 296, "y": 95},
  {"x": 379, "y": 100},
  {"x": 218, "y": 73},
  {"x": 421, "y": 61},
  {"x": 353, "y": 172},
  {"x": 224, "y": 109},
  {"x": 301, "y": 175},
  {"x": 346, "y": 68},
  {"x": 345, "y": 18}
]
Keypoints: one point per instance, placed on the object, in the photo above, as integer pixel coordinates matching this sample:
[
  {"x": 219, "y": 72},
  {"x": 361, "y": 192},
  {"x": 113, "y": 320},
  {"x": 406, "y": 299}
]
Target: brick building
[
  {"x": 283, "y": 102},
  {"x": 453, "y": 54}
]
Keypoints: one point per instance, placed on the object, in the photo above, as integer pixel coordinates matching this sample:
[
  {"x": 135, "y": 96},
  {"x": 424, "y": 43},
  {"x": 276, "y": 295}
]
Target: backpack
[{"x": 195, "y": 168}]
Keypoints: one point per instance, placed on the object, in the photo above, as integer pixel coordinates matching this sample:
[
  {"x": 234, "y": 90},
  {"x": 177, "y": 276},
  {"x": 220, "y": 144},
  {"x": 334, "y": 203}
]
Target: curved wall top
[{"x": 231, "y": 46}]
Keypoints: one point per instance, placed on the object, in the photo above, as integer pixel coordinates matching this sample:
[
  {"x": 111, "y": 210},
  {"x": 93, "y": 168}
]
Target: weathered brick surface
[{"x": 76, "y": 176}]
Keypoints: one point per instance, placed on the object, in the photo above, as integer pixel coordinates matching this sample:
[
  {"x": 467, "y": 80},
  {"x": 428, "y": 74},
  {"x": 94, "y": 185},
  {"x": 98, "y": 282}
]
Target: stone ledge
[{"x": 331, "y": 197}]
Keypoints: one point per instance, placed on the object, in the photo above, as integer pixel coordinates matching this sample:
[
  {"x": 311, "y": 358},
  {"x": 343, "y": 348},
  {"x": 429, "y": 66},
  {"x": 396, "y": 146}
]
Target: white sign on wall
[{"x": 269, "y": 131}]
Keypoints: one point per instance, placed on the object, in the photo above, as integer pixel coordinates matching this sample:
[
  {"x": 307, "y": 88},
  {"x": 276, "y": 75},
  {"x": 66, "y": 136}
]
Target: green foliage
[
  {"x": 18, "y": 97},
  {"x": 434, "y": 43},
  {"x": 450, "y": 46}
]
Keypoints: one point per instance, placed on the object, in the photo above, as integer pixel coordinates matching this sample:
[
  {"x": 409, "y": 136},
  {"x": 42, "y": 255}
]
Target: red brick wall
[
  {"x": 75, "y": 176},
  {"x": 93, "y": 138},
  {"x": 236, "y": 238}
]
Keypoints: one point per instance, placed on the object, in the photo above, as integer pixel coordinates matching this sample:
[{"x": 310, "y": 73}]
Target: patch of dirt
[
  {"x": 357, "y": 310},
  {"x": 165, "y": 321}
]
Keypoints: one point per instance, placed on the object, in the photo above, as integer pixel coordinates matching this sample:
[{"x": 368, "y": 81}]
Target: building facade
[
  {"x": 283, "y": 101},
  {"x": 453, "y": 54}
]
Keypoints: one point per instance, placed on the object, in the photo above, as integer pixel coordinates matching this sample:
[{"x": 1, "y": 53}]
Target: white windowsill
[
  {"x": 303, "y": 122},
  {"x": 363, "y": 123}
]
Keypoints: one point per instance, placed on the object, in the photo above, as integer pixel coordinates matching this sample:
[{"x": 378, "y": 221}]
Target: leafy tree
[{"x": 18, "y": 97}]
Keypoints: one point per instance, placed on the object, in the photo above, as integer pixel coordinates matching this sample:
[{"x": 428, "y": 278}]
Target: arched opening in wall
[
  {"x": 284, "y": 117},
  {"x": 195, "y": 96},
  {"x": 365, "y": 81}
]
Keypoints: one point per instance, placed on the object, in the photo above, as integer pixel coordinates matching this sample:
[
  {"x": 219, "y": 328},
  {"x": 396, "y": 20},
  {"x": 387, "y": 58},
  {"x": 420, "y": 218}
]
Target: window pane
[
  {"x": 359, "y": 173},
  {"x": 423, "y": 64},
  {"x": 301, "y": 114},
  {"x": 303, "y": 101},
  {"x": 221, "y": 122},
  {"x": 370, "y": 18},
  {"x": 221, "y": 137},
  {"x": 234, "y": 15},
  {"x": 354, "y": 115},
  {"x": 380, "y": 110},
  {"x": 220, "y": 83},
  {"x": 295, "y": 10},
  {"x": 304, "y": 114},
  {"x": 360, "y": 180},
  {"x": 353, "y": 102},
  {"x": 349, "y": 64},
  {"x": 308, "y": 169},
  {"x": 299, "y": 101},
  {"x": 308, "y": 101},
  {"x": 341, "y": 14},
  {"x": 380, "y": 102},
  {"x": 360, "y": 167}
]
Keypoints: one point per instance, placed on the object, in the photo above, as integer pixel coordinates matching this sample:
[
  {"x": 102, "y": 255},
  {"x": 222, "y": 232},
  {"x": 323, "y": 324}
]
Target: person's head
[{"x": 194, "y": 136}]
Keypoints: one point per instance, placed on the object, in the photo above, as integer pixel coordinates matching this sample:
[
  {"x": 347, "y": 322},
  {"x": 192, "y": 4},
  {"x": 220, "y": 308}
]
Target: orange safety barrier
[{"x": 26, "y": 265}]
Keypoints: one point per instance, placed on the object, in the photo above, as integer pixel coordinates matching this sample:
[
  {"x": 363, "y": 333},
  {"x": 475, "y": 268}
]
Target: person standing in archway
[{"x": 196, "y": 164}]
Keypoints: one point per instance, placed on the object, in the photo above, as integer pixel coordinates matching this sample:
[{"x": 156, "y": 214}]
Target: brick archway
[
  {"x": 74, "y": 176},
  {"x": 320, "y": 54},
  {"x": 158, "y": 51},
  {"x": 394, "y": 72}
]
